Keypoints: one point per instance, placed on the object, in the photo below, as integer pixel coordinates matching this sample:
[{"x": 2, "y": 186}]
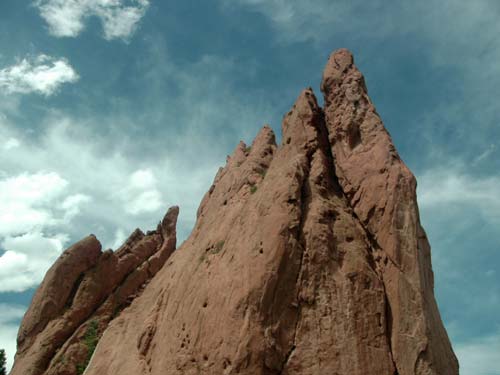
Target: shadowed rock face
[{"x": 306, "y": 258}]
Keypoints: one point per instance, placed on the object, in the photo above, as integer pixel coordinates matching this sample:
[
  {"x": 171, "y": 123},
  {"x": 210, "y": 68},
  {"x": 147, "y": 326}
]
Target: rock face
[
  {"x": 306, "y": 258},
  {"x": 81, "y": 293}
]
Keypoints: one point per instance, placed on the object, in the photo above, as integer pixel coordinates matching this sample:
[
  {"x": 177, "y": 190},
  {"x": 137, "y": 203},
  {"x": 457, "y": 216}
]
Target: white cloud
[
  {"x": 11, "y": 143},
  {"x": 42, "y": 75},
  {"x": 29, "y": 204},
  {"x": 72, "y": 205},
  {"x": 141, "y": 195},
  {"x": 142, "y": 179},
  {"x": 9, "y": 322},
  {"x": 120, "y": 237},
  {"x": 26, "y": 259},
  {"x": 25, "y": 201},
  {"x": 479, "y": 356},
  {"x": 116, "y": 193},
  {"x": 453, "y": 187},
  {"x": 147, "y": 201},
  {"x": 66, "y": 18}
]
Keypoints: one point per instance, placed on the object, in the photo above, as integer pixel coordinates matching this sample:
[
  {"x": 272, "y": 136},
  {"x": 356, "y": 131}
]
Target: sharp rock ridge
[{"x": 306, "y": 258}]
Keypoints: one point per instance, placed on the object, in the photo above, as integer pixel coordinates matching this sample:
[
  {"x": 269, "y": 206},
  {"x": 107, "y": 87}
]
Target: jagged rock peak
[
  {"x": 83, "y": 292},
  {"x": 305, "y": 259},
  {"x": 382, "y": 193}
]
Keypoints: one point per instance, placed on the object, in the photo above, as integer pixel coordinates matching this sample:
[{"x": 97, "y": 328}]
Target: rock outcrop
[
  {"x": 306, "y": 258},
  {"x": 81, "y": 293}
]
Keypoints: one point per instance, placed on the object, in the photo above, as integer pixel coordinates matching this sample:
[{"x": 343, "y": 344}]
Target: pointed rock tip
[
  {"x": 304, "y": 112},
  {"x": 338, "y": 63},
  {"x": 91, "y": 239},
  {"x": 169, "y": 223},
  {"x": 172, "y": 213},
  {"x": 265, "y": 136},
  {"x": 239, "y": 152},
  {"x": 305, "y": 104}
]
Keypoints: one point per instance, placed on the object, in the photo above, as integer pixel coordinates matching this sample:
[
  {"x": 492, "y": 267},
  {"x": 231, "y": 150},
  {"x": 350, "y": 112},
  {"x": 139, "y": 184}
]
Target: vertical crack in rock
[
  {"x": 374, "y": 260},
  {"x": 381, "y": 191},
  {"x": 304, "y": 205}
]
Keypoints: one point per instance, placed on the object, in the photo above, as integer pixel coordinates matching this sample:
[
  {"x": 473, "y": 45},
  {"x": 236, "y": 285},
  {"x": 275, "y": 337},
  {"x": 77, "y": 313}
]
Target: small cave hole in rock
[{"x": 226, "y": 363}]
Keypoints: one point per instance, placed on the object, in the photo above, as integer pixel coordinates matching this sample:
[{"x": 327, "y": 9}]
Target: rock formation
[
  {"x": 306, "y": 258},
  {"x": 81, "y": 293}
]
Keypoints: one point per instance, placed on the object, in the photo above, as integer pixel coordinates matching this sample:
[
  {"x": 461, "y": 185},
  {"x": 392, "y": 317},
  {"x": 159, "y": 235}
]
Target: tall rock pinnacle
[
  {"x": 381, "y": 191},
  {"x": 306, "y": 258}
]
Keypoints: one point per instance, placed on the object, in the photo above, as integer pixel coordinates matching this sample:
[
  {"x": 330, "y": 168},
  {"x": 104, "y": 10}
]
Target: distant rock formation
[{"x": 306, "y": 258}]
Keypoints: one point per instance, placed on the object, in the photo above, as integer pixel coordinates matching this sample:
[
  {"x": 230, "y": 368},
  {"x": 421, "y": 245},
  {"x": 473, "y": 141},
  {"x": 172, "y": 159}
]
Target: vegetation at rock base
[
  {"x": 3, "y": 361},
  {"x": 90, "y": 340},
  {"x": 218, "y": 247}
]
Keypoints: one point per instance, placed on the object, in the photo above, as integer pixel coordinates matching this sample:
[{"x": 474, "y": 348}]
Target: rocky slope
[{"x": 306, "y": 258}]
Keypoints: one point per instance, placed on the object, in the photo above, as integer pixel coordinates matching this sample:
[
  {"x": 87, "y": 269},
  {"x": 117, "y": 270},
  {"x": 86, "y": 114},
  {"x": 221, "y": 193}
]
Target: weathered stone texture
[{"x": 306, "y": 258}]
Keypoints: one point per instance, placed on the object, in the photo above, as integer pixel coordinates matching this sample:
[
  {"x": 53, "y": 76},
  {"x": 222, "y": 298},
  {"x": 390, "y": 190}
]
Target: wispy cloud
[
  {"x": 9, "y": 323},
  {"x": 479, "y": 356},
  {"x": 455, "y": 187},
  {"x": 10, "y": 144},
  {"x": 460, "y": 209},
  {"x": 141, "y": 195},
  {"x": 42, "y": 74},
  {"x": 119, "y": 193},
  {"x": 485, "y": 154},
  {"x": 66, "y": 18}
]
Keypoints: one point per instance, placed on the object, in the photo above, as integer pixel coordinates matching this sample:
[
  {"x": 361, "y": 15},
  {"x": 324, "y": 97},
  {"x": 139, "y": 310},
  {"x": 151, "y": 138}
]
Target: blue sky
[{"x": 112, "y": 110}]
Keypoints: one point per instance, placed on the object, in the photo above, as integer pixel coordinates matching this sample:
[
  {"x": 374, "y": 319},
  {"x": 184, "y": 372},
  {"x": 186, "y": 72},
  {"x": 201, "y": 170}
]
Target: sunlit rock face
[{"x": 306, "y": 258}]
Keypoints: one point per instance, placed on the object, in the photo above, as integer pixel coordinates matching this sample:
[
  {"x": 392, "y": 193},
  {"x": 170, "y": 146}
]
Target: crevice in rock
[
  {"x": 74, "y": 289},
  {"x": 304, "y": 208},
  {"x": 373, "y": 247},
  {"x": 378, "y": 267},
  {"x": 388, "y": 329},
  {"x": 317, "y": 121}
]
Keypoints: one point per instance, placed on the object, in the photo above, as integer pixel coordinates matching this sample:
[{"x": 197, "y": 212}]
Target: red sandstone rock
[
  {"x": 307, "y": 258},
  {"x": 87, "y": 287},
  {"x": 381, "y": 191}
]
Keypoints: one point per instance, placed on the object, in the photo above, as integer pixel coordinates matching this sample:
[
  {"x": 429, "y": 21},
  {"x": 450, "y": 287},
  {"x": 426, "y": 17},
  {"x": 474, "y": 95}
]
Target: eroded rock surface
[
  {"x": 381, "y": 191},
  {"x": 306, "y": 258},
  {"x": 83, "y": 291}
]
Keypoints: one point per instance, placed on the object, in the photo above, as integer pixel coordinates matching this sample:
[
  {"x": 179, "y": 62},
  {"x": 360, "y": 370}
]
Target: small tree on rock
[{"x": 3, "y": 361}]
